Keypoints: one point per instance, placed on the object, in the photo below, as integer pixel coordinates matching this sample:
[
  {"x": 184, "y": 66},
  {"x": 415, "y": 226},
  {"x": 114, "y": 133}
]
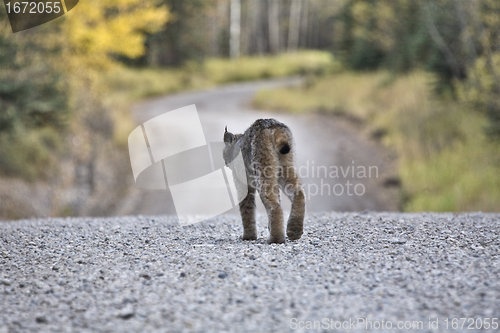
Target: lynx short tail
[{"x": 282, "y": 139}]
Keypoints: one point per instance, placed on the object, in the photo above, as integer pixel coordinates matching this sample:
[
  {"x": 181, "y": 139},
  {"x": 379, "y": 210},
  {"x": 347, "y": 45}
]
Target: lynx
[{"x": 268, "y": 150}]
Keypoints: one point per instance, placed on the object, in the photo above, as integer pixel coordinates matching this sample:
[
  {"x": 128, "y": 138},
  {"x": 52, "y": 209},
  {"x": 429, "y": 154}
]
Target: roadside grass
[
  {"x": 221, "y": 71},
  {"x": 137, "y": 83},
  {"x": 446, "y": 161},
  {"x": 125, "y": 85}
]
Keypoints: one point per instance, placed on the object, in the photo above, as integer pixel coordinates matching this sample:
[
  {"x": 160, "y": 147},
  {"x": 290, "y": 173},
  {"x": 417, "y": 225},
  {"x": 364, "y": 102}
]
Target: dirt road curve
[{"x": 324, "y": 143}]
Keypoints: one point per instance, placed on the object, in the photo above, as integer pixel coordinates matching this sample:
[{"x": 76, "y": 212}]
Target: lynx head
[
  {"x": 229, "y": 137},
  {"x": 231, "y": 150}
]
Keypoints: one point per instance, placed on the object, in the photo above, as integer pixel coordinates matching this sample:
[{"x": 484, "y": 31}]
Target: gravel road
[{"x": 147, "y": 274}]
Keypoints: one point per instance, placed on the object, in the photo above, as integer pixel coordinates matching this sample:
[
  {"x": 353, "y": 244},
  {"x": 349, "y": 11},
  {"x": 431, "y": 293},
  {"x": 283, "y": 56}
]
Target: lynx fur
[{"x": 268, "y": 151}]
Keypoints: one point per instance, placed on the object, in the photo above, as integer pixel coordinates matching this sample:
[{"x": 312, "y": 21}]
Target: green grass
[
  {"x": 253, "y": 68},
  {"x": 134, "y": 84},
  {"x": 446, "y": 162}
]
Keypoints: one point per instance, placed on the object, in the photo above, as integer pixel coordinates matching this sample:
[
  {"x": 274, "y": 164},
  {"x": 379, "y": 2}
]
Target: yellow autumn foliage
[{"x": 95, "y": 30}]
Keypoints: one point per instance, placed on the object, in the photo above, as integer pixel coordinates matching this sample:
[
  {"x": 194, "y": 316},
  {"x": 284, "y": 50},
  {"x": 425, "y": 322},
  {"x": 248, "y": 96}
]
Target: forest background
[{"x": 422, "y": 76}]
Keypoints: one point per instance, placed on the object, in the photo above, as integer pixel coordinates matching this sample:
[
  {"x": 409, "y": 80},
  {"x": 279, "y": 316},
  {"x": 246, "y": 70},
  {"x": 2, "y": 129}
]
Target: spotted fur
[{"x": 268, "y": 152}]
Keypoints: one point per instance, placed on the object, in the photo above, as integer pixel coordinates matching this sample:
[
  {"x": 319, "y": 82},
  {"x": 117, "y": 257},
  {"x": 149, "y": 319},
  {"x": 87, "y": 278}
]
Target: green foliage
[
  {"x": 32, "y": 88},
  {"x": 455, "y": 40},
  {"x": 32, "y": 98},
  {"x": 481, "y": 90},
  {"x": 34, "y": 101},
  {"x": 383, "y": 33},
  {"x": 30, "y": 155},
  {"x": 183, "y": 38}
]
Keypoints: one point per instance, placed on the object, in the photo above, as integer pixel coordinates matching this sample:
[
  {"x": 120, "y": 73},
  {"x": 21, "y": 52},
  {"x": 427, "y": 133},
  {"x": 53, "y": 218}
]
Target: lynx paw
[
  {"x": 249, "y": 236},
  {"x": 278, "y": 240},
  {"x": 295, "y": 229},
  {"x": 294, "y": 233}
]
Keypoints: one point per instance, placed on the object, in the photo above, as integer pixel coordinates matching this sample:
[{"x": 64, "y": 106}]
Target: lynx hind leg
[
  {"x": 294, "y": 191},
  {"x": 267, "y": 176},
  {"x": 275, "y": 215},
  {"x": 247, "y": 210},
  {"x": 270, "y": 195}
]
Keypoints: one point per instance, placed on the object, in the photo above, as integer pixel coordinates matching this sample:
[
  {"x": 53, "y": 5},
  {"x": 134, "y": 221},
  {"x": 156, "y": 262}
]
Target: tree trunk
[
  {"x": 235, "y": 29},
  {"x": 441, "y": 44},
  {"x": 462, "y": 18},
  {"x": 294, "y": 25},
  {"x": 274, "y": 26},
  {"x": 257, "y": 45},
  {"x": 304, "y": 25},
  {"x": 313, "y": 26},
  {"x": 213, "y": 26}
]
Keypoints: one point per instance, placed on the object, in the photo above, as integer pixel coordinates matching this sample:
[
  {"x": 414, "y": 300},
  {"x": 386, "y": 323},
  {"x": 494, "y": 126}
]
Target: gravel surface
[{"x": 145, "y": 274}]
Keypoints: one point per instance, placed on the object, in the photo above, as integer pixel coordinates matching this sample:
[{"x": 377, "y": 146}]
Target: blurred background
[{"x": 419, "y": 79}]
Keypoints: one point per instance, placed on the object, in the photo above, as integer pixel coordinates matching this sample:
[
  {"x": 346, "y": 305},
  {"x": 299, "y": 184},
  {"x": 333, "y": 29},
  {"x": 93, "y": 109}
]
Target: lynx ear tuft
[{"x": 225, "y": 131}]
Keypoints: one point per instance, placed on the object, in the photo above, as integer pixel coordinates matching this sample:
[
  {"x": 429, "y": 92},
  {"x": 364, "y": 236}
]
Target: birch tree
[
  {"x": 274, "y": 25},
  {"x": 256, "y": 12},
  {"x": 294, "y": 26},
  {"x": 235, "y": 29}
]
